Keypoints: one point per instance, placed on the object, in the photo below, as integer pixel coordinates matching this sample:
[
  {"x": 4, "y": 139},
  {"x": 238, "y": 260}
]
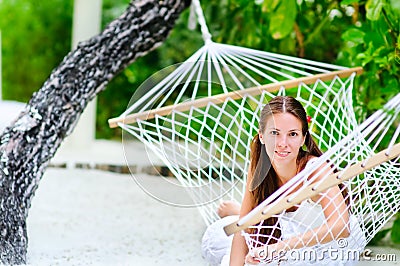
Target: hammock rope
[
  {"x": 200, "y": 116},
  {"x": 371, "y": 176}
]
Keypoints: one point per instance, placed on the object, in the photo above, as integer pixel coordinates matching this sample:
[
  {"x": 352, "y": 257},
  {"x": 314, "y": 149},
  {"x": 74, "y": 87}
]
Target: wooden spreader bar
[
  {"x": 314, "y": 189},
  {"x": 235, "y": 95}
]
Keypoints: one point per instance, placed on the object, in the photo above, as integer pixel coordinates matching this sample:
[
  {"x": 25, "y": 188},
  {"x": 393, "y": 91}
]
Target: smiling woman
[
  {"x": 278, "y": 155},
  {"x": 281, "y": 149},
  {"x": 283, "y": 130}
]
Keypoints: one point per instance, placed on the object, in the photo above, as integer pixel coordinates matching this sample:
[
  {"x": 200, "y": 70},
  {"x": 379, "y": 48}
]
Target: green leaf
[
  {"x": 392, "y": 88},
  {"x": 398, "y": 42},
  {"x": 349, "y": 2},
  {"x": 374, "y": 9},
  {"x": 282, "y": 20},
  {"x": 354, "y": 35},
  {"x": 395, "y": 4},
  {"x": 288, "y": 46},
  {"x": 395, "y": 234},
  {"x": 375, "y": 103},
  {"x": 378, "y": 237},
  {"x": 364, "y": 57},
  {"x": 397, "y": 55},
  {"x": 270, "y": 5}
]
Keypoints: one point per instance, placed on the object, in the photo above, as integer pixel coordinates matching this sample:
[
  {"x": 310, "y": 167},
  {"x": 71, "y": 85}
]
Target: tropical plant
[{"x": 35, "y": 38}]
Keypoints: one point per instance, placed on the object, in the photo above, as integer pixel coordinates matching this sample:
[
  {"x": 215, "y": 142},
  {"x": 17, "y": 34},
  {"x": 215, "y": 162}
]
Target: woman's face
[{"x": 282, "y": 137}]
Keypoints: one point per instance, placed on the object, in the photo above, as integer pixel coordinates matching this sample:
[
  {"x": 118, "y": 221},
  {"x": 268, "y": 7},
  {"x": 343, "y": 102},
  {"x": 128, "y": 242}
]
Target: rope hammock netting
[{"x": 200, "y": 120}]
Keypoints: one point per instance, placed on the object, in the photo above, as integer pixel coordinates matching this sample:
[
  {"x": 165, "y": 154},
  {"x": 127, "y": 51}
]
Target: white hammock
[
  {"x": 200, "y": 119},
  {"x": 370, "y": 171}
]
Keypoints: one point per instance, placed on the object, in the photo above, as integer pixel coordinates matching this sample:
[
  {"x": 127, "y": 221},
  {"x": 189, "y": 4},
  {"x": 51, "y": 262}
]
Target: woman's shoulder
[{"x": 311, "y": 160}]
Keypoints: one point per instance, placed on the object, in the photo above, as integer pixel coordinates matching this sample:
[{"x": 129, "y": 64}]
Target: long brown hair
[{"x": 264, "y": 180}]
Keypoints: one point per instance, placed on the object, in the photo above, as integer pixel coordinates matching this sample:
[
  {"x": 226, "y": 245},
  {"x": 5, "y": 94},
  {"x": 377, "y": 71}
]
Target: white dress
[
  {"x": 309, "y": 215},
  {"x": 216, "y": 245}
]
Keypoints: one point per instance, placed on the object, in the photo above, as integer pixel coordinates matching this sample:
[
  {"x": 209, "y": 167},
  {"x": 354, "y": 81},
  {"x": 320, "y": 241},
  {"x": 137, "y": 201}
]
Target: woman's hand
[
  {"x": 264, "y": 254},
  {"x": 256, "y": 255},
  {"x": 252, "y": 259}
]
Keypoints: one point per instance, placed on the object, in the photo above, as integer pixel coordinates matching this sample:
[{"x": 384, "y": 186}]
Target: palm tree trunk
[{"x": 27, "y": 145}]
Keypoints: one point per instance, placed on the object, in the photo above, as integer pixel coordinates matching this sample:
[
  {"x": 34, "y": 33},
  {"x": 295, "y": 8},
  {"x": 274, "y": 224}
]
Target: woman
[{"x": 276, "y": 157}]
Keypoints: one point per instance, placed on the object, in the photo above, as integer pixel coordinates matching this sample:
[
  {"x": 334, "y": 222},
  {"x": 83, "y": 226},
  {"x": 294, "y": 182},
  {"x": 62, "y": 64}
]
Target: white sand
[
  {"x": 9, "y": 111},
  {"x": 88, "y": 217}
]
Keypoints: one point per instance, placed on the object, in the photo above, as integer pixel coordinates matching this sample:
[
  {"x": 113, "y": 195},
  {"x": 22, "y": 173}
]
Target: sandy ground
[{"x": 89, "y": 217}]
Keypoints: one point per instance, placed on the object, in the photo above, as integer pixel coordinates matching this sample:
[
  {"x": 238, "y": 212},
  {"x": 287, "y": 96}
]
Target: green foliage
[
  {"x": 371, "y": 43},
  {"x": 379, "y": 237},
  {"x": 282, "y": 17},
  {"x": 36, "y": 35},
  {"x": 395, "y": 233},
  {"x": 113, "y": 101}
]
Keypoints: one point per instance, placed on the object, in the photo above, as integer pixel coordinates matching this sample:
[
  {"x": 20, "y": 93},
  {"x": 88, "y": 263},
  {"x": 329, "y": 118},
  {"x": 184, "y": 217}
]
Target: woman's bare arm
[
  {"x": 239, "y": 248},
  {"x": 336, "y": 226}
]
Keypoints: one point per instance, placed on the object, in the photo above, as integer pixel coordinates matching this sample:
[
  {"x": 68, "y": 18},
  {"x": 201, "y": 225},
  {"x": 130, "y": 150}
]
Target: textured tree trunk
[{"x": 52, "y": 113}]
